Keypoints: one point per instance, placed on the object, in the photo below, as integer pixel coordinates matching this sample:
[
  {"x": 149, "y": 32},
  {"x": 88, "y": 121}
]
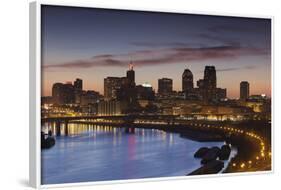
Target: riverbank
[{"x": 252, "y": 140}]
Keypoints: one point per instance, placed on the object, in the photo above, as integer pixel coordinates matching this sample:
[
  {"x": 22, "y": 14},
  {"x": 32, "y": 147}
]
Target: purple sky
[{"x": 92, "y": 44}]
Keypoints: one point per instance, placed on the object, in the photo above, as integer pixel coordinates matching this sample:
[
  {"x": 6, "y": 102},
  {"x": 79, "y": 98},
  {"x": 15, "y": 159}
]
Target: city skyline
[
  {"x": 93, "y": 46},
  {"x": 130, "y": 67},
  {"x": 164, "y": 83}
]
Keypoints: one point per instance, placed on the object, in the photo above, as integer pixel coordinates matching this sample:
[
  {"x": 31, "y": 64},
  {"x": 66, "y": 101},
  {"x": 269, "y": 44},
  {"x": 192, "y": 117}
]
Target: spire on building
[{"x": 131, "y": 66}]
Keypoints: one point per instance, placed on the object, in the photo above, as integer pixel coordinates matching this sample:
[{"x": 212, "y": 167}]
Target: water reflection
[{"x": 95, "y": 153}]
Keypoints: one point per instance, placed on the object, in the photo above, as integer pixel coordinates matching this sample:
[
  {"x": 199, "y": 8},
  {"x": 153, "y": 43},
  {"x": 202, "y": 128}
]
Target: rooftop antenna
[{"x": 131, "y": 66}]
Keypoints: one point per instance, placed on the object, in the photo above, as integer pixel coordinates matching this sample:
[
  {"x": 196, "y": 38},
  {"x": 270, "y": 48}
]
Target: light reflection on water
[{"x": 98, "y": 153}]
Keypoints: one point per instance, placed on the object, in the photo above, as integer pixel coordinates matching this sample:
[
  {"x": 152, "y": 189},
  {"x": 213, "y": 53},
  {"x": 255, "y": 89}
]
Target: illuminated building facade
[
  {"x": 89, "y": 97},
  {"x": 112, "y": 85},
  {"x": 111, "y": 108},
  {"x": 119, "y": 88}
]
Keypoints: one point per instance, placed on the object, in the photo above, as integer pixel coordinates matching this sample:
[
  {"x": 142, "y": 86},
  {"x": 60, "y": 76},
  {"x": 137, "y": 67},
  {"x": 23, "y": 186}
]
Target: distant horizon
[{"x": 92, "y": 44}]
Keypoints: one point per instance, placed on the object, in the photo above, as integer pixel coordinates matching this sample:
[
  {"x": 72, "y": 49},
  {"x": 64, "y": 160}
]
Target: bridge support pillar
[
  {"x": 58, "y": 128},
  {"x": 66, "y": 128}
]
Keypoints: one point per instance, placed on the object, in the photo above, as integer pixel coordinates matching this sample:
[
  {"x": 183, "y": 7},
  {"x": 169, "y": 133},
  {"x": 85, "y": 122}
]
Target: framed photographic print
[{"x": 119, "y": 94}]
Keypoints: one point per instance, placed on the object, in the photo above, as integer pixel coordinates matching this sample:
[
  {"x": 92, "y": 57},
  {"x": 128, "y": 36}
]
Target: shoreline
[{"x": 248, "y": 144}]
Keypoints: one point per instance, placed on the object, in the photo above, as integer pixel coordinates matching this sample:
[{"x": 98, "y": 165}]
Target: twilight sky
[{"x": 92, "y": 44}]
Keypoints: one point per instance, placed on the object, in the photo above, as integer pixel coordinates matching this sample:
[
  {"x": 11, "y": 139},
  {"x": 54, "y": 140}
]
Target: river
[{"x": 98, "y": 153}]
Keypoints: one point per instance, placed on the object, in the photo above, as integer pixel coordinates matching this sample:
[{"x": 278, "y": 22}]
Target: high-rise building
[
  {"x": 165, "y": 86},
  {"x": 112, "y": 85},
  {"x": 57, "y": 93},
  {"x": 131, "y": 75},
  {"x": 244, "y": 90},
  {"x": 207, "y": 87},
  {"x": 78, "y": 88},
  {"x": 187, "y": 80},
  {"x": 145, "y": 92},
  {"x": 120, "y": 87},
  {"x": 220, "y": 93},
  {"x": 78, "y": 84},
  {"x": 69, "y": 93},
  {"x": 210, "y": 77},
  {"x": 63, "y": 93},
  {"x": 89, "y": 97},
  {"x": 210, "y": 84}
]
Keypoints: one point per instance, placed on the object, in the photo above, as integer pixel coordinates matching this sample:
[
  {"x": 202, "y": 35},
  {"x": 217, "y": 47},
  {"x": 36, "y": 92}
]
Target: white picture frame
[{"x": 35, "y": 93}]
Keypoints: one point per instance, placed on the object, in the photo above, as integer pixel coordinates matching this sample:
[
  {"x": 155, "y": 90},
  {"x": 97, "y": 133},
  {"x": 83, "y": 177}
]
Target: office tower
[
  {"x": 210, "y": 84},
  {"x": 145, "y": 92},
  {"x": 121, "y": 88},
  {"x": 210, "y": 78},
  {"x": 63, "y": 93},
  {"x": 165, "y": 86},
  {"x": 244, "y": 90},
  {"x": 78, "y": 84},
  {"x": 89, "y": 97},
  {"x": 131, "y": 75},
  {"x": 220, "y": 93},
  {"x": 69, "y": 94},
  {"x": 112, "y": 85},
  {"x": 187, "y": 80},
  {"x": 57, "y": 94}
]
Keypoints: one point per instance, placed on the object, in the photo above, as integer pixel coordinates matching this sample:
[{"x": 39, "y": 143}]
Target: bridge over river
[{"x": 163, "y": 122}]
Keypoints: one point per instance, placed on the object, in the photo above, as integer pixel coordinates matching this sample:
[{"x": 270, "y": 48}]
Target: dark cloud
[
  {"x": 163, "y": 56},
  {"x": 219, "y": 38},
  {"x": 244, "y": 27},
  {"x": 235, "y": 68},
  {"x": 86, "y": 63},
  {"x": 103, "y": 56},
  {"x": 165, "y": 44}
]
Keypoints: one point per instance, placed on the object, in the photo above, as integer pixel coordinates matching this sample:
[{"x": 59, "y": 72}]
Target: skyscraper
[
  {"x": 57, "y": 93},
  {"x": 145, "y": 92},
  {"x": 187, "y": 80},
  {"x": 78, "y": 87},
  {"x": 210, "y": 84},
  {"x": 244, "y": 90},
  {"x": 63, "y": 93},
  {"x": 78, "y": 84},
  {"x": 210, "y": 77},
  {"x": 112, "y": 85},
  {"x": 69, "y": 94},
  {"x": 131, "y": 75},
  {"x": 165, "y": 86}
]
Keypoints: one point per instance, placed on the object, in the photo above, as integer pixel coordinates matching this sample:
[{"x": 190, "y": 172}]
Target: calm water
[{"x": 95, "y": 153}]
